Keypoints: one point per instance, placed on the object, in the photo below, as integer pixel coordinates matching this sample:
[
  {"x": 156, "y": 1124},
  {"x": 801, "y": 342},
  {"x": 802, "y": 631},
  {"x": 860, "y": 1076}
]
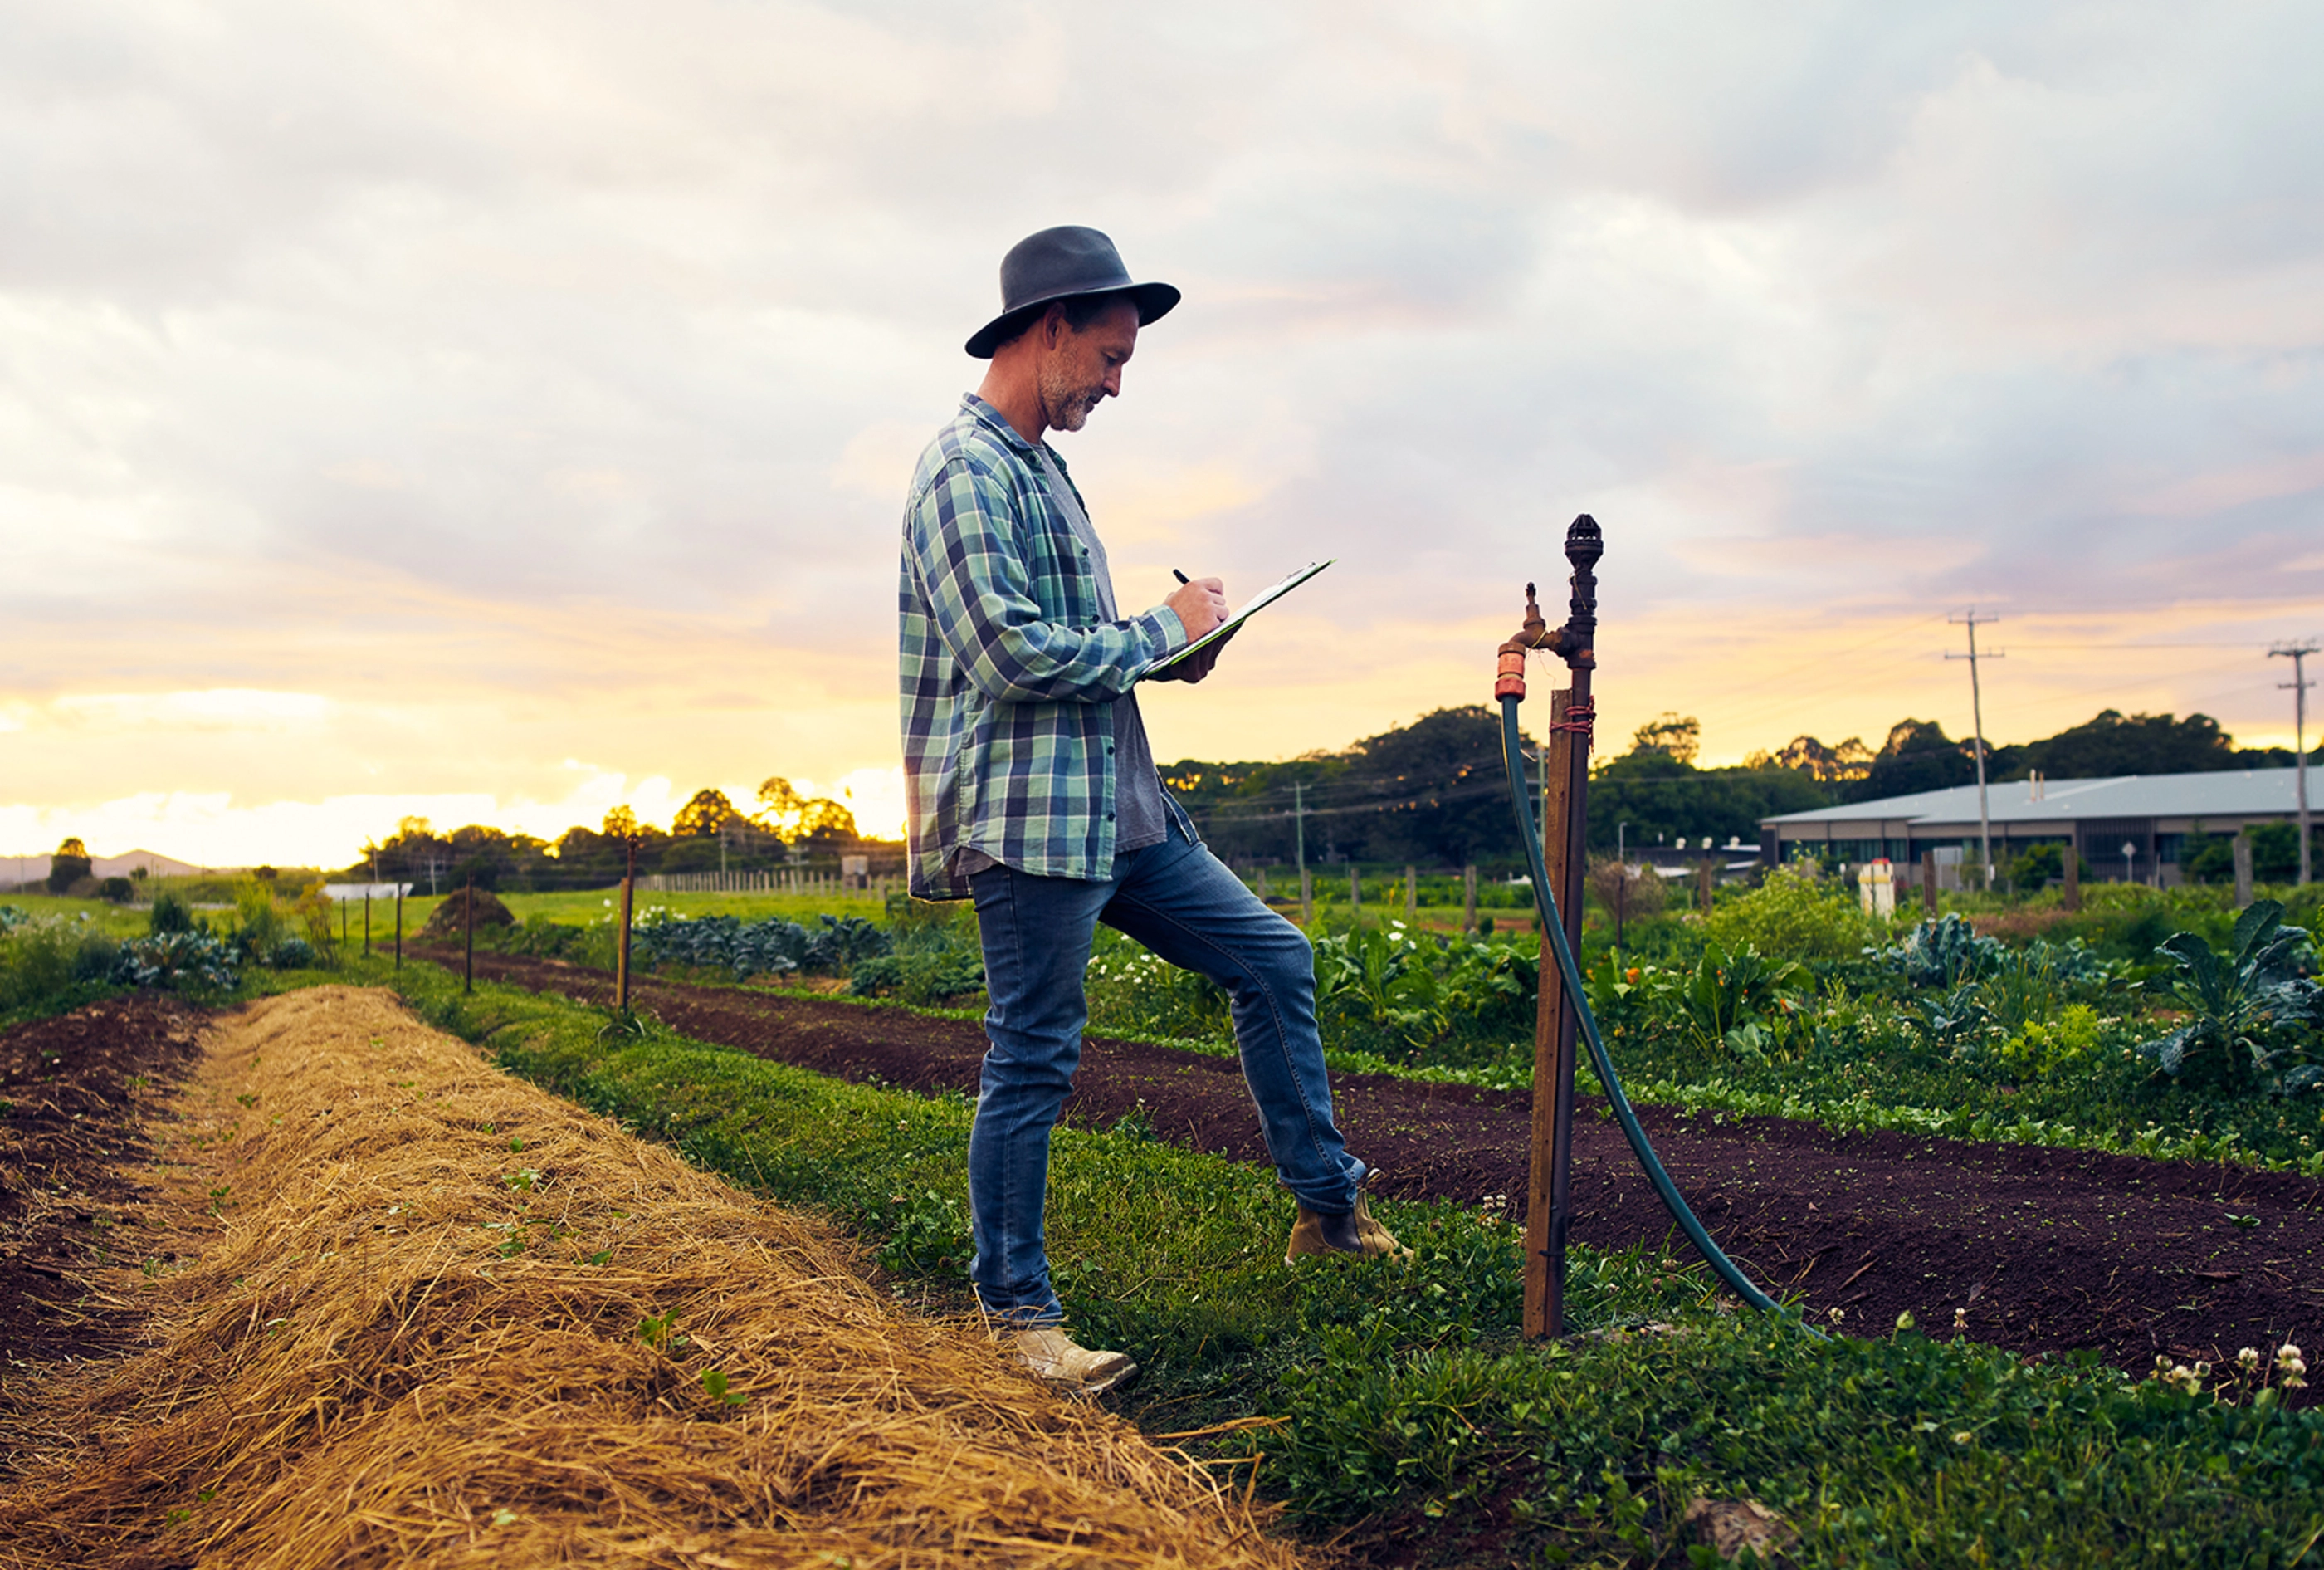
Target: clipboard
[{"x": 1258, "y": 602}]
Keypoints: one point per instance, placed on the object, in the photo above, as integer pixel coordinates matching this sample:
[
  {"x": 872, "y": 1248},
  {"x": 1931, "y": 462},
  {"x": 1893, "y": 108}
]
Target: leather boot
[
  {"x": 1072, "y": 1368},
  {"x": 1319, "y": 1232}
]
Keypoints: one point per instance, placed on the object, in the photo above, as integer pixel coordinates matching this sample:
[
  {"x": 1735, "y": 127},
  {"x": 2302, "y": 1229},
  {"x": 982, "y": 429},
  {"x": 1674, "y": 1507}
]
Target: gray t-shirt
[{"x": 1140, "y": 820}]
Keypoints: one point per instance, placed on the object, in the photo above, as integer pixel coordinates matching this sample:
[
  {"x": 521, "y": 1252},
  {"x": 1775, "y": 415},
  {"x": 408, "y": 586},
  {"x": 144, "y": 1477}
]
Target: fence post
[
  {"x": 468, "y": 928},
  {"x": 1355, "y": 893},
  {"x": 2241, "y": 848},
  {"x": 398, "y": 923},
  {"x": 622, "y": 955},
  {"x": 1469, "y": 898},
  {"x": 1262, "y": 885},
  {"x": 1411, "y": 894},
  {"x": 1307, "y": 899},
  {"x": 2072, "y": 899},
  {"x": 366, "y": 920},
  {"x": 1929, "y": 885},
  {"x": 1705, "y": 885}
]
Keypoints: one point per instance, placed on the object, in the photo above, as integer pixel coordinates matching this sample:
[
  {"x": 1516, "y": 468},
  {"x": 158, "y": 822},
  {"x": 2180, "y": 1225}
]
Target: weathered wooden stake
[
  {"x": 621, "y": 957},
  {"x": 1307, "y": 897},
  {"x": 1705, "y": 885},
  {"x": 1411, "y": 894},
  {"x": 1355, "y": 891},
  {"x": 366, "y": 921},
  {"x": 468, "y": 926},
  {"x": 1262, "y": 885},
  {"x": 1929, "y": 883},
  {"x": 1469, "y": 898},
  {"x": 398, "y": 923},
  {"x": 1545, "y": 1307},
  {"x": 2241, "y": 847},
  {"x": 2072, "y": 898}
]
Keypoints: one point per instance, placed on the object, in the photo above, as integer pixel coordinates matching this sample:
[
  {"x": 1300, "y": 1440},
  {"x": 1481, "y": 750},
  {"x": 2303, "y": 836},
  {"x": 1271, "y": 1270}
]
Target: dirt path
[{"x": 2046, "y": 1250}]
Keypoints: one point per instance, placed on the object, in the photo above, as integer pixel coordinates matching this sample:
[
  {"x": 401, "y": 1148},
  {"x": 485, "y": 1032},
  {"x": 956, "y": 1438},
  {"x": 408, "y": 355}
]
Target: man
[{"x": 1030, "y": 788}]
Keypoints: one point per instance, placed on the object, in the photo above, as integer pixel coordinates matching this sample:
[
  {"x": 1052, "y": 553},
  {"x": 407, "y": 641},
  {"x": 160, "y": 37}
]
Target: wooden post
[
  {"x": 1262, "y": 885},
  {"x": 2241, "y": 846},
  {"x": 366, "y": 920},
  {"x": 468, "y": 929},
  {"x": 2072, "y": 899},
  {"x": 1411, "y": 894},
  {"x": 1929, "y": 885},
  {"x": 1469, "y": 898},
  {"x": 1307, "y": 897},
  {"x": 1544, "y": 1295},
  {"x": 622, "y": 955},
  {"x": 398, "y": 921},
  {"x": 1705, "y": 884},
  {"x": 1355, "y": 893},
  {"x": 1621, "y": 902}
]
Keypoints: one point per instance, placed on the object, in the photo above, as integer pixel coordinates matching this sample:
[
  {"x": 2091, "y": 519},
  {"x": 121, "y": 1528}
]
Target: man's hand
[
  {"x": 1201, "y": 605},
  {"x": 1197, "y": 665}
]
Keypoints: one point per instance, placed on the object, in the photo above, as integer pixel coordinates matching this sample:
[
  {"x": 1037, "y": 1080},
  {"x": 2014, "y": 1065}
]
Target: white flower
[
  {"x": 2249, "y": 1358},
  {"x": 1960, "y": 1320},
  {"x": 1837, "y": 1315},
  {"x": 1963, "y": 1438}
]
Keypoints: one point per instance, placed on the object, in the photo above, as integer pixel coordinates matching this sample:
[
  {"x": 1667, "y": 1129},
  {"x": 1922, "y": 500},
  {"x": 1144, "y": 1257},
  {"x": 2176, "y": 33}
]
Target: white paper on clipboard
[{"x": 1258, "y": 602}]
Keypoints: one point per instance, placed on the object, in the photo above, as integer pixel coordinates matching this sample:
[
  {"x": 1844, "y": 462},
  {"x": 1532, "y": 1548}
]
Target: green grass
[
  {"x": 113, "y": 921},
  {"x": 1403, "y": 1397}
]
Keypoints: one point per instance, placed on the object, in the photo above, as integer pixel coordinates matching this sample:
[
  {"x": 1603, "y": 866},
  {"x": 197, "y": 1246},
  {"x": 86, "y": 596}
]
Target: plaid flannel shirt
[{"x": 1007, "y": 671}]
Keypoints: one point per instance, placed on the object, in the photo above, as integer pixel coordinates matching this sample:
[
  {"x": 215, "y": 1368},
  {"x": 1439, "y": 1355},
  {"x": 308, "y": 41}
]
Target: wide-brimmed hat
[{"x": 1057, "y": 265}]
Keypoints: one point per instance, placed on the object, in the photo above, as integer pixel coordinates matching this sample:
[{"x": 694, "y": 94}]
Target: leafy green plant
[
  {"x": 1944, "y": 953},
  {"x": 2250, "y": 1009},
  {"x": 1795, "y": 913},
  {"x": 716, "y": 1384},
  {"x": 1728, "y": 993}
]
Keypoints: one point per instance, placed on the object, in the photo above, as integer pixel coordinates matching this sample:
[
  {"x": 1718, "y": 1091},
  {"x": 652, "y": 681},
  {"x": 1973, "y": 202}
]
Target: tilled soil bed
[
  {"x": 2041, "y": 1249},
  {"x": 73, "y": 1092}
]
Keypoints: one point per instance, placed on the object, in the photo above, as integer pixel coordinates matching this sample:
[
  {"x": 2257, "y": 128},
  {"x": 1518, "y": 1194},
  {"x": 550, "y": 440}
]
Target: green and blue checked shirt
[{"x": 1007, "y": 667}]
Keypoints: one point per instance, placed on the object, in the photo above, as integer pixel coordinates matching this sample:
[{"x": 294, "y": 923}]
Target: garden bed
[
  {"x": 435, "y": 1315},
  {"x": 2041, "y": 1249},
  {"x": 73, "y": 1094}
]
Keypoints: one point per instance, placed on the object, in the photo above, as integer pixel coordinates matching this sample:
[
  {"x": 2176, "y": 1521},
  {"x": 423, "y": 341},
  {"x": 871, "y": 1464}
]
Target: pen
[{"x": 1179, "y": 576}]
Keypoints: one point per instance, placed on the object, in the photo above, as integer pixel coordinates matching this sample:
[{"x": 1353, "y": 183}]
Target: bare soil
[
  {"x": 73, "y": 1094},
  {"x": 2046, "y": 1250}
]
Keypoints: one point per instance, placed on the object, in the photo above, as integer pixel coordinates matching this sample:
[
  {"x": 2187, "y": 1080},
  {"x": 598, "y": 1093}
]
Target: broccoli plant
[
  {"x": 2252, "y": 1016},
  {"x": 1944, "y": 954}
]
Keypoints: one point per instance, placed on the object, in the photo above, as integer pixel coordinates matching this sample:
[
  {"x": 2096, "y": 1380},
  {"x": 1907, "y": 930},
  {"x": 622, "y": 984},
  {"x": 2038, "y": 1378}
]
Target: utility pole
[
  {"x": 1299, "y": 820},
  {"x": 1976, "y": 718},
  {"x": 2297, "y": 654}
]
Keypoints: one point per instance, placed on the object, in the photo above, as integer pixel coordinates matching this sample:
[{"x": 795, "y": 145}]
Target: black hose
[{"x": 1545, "y": 905}]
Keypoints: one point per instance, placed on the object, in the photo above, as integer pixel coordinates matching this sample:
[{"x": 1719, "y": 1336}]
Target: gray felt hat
[{"x": 1057, "y": 265}]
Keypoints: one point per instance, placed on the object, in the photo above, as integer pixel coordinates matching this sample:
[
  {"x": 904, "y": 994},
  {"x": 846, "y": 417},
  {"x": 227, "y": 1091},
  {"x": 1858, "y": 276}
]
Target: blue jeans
[{"x": 1177, "y": 899}]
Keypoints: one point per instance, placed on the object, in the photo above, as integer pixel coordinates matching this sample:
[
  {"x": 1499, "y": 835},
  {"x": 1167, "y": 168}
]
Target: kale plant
[
  {"x": 2253, "y": 1016},
  {"x": 1945, "y": 953}
]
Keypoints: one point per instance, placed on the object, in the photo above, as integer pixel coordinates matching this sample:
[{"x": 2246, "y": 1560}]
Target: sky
[{"x": 497, "y": 413}]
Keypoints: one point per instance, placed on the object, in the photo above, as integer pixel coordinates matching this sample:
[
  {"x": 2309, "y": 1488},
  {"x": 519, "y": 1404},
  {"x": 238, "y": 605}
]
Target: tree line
[
  {"x": 709, "y": 834},
  {"x": 1435, "y": 792}
]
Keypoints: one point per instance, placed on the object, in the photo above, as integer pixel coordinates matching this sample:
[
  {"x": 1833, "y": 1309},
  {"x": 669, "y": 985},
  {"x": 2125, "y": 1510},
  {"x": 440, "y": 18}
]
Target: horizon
[{"x": 497, "y": 416}]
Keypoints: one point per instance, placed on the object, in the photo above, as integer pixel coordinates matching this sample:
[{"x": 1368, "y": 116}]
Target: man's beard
[{"x": 1069, "y": 406}]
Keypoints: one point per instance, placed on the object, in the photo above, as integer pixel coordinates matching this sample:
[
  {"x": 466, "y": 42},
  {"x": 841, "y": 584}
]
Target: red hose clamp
[{"x": 1511, "y": 681}]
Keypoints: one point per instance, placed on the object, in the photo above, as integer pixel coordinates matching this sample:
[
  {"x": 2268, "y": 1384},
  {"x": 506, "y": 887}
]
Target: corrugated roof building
[{"x": 2151, "y": 814}]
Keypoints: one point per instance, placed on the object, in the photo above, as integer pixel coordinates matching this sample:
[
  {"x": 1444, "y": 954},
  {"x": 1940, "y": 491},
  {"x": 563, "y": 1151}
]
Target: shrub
[
  {"x": 1944, "y": 953},
  {"x": 42, "y": 963},
  {"x": 1794, "y": 913},
  {"x": 171, "y": 913},
  {"x": 116, "y": 891}
]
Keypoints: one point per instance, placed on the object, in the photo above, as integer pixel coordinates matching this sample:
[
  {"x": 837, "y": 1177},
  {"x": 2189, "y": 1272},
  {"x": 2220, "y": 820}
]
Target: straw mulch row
[{"x": 395, "y": 1349}]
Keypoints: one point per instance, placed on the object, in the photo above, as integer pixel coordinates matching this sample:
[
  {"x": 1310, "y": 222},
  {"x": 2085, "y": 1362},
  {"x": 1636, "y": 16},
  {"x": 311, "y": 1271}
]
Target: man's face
[{"x": 1079, "y": 368}]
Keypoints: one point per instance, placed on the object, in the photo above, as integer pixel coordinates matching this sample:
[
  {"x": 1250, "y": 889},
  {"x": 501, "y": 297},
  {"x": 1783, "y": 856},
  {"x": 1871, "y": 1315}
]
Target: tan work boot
[
  {"x": 1054, "y": 1355},
  {"x": 1356, "y": 1233}
]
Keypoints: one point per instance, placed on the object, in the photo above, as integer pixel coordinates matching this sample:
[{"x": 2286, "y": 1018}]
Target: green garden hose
[{"x": 1546, "y": 904}]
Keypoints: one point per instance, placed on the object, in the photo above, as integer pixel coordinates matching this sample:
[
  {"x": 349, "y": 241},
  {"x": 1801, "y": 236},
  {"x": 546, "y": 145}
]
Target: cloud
[{"x": 515, "y": 383}]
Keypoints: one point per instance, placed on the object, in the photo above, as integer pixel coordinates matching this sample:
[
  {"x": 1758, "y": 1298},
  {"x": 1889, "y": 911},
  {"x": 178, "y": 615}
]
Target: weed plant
[{"x": 1398, "y": 1401}]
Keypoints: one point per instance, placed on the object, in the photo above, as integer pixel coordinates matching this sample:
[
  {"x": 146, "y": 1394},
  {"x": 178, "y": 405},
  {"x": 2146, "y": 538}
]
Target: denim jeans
[{"x": 1177, "y": 899}]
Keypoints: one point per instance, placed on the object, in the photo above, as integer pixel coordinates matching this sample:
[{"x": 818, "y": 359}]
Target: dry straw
[{"x": 363, "y": 1368}]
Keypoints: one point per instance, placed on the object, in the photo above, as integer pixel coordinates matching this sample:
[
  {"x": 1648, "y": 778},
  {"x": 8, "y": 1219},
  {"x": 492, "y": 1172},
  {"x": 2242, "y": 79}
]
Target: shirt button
[
  {"x": 1109, "y": 818},
  {"x": 1109, "y": 752}
]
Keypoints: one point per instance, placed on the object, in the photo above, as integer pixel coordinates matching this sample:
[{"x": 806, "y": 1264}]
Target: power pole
[
  {"x": 1299, "y": 820},
  {"x": 1976, "y": 718},
  {"x": 2297, "y": 654}
]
